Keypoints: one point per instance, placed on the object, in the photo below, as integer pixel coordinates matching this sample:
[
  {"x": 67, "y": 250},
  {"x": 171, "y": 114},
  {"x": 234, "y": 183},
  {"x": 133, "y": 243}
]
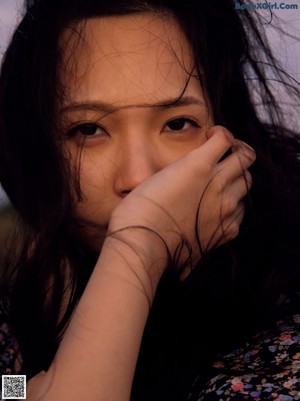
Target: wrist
[{"x": 137, "y": 255}]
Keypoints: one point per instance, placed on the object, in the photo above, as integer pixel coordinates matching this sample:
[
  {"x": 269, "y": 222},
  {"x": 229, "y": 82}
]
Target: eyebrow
[{"x": 109, "y": 108}]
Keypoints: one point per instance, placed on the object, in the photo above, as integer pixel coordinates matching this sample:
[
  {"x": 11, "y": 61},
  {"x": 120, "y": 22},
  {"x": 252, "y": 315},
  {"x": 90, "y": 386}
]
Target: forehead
[{"x": 127, "y": 60}]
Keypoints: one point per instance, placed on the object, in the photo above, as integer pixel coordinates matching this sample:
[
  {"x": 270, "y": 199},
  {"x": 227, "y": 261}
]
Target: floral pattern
[
  {"x": 266, "y": 368},
  {"x": 8, "y": 349},
  {"x": 9, "y": 363}
]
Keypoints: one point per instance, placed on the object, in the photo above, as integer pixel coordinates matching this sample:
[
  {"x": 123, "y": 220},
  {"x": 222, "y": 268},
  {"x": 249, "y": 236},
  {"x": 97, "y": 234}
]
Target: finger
[
  {"x": 230, "y": 227},
  {"x": 240, "y": 187},
  {"x": 217, "y": 128},
  {"x": 238, "y": 162},
  {"x": 219, "y": 142},
  {"x": 227, "y": 228},
  {"x": 234, "y": 223}
]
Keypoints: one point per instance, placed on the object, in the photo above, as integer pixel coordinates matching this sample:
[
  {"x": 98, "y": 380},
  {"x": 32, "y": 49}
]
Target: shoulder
[
  {"x": 265, "y": 368},
  {"x": 9, "y": 363}
]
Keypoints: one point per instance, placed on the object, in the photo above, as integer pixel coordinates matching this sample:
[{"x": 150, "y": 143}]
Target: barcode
[{"x": 13, "y": 387}]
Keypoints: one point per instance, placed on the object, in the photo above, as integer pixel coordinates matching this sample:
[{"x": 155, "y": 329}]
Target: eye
[
  {"x": 87, "y": 129},
  {"x": 180, "y": 124}
]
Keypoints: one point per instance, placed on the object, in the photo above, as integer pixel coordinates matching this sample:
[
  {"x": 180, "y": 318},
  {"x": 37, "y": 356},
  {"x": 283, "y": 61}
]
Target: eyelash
[
  {"x": 184, "y": 120},
  {"x": 93, "y": 127},
  {"x": 74, "y": 131}
]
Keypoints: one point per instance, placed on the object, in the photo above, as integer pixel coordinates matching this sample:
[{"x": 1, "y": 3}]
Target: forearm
[{"x": 98, "y": 353}]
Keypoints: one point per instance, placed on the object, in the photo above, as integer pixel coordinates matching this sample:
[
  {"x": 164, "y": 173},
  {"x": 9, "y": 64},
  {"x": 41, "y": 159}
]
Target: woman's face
[{"x": 132, "y": 107}]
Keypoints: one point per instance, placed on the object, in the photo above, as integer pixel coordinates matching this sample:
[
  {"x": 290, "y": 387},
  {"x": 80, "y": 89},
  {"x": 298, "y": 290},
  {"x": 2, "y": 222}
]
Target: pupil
[
  {"x": 177, "y": 124},
  {"x": 88, "y": 129}
]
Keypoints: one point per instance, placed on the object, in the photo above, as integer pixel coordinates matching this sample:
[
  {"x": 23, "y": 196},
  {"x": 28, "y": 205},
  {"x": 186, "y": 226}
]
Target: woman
[{"x": 138, "y": 244}]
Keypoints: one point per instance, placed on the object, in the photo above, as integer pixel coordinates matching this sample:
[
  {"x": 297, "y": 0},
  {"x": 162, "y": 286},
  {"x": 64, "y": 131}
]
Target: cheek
[
  {"x": 96, "y": 176},
  {"x": 93, "y": 211},
  {"x": 92, "y": 168},
  {"x": 180, "y": 146}
]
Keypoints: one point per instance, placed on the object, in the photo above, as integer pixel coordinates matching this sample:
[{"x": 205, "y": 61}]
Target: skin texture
[
  {"x": 148, "y": 60},
  {"x": 135, "y": 171}
]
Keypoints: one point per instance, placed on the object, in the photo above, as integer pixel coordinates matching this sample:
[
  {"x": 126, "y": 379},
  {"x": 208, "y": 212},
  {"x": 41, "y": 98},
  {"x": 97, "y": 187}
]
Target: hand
[
  {"x": 195, "y": 202},
  {"x": 198, "y": 198}
]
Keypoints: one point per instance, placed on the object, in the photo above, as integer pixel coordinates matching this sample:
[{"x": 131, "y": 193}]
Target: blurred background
[
  {"x": 10, "y": 13},
  {"x": 286, "y": 48}
]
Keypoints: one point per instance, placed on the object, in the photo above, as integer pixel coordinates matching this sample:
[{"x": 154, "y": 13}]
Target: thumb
[{"x": 217, "y": 128}]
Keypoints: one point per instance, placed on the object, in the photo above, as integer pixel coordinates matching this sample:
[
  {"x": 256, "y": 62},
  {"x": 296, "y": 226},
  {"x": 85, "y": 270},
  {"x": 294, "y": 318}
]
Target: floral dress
[
  {"x": 265, "y": 368},
  {"x": 8, "y": 349}
]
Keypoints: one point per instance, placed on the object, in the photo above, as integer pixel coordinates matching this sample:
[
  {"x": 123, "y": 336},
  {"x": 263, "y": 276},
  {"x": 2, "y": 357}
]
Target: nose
[{"x": 138, "y": 160}]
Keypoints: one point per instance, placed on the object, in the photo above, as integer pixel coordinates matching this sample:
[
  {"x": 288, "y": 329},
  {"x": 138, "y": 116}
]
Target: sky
[{"x": 287, "y": 49}]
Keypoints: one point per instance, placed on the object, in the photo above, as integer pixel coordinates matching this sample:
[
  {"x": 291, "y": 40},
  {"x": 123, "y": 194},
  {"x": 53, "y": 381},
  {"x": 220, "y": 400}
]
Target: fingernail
[
  {"x": 237, "y": 145},
  {"x": 248, "y": 146}
]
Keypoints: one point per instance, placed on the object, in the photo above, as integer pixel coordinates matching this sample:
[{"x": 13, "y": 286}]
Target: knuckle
[
  {"x": 251, "y": 154},
  {"x": 228, "y": 205},
  {"x": 233, "y": 231},
  {"x": 248, "y": 179},
  {"x": 218, "y": 181},
  {"x": 245, "y": 150},
  {"x": 232, "y": 228},
  {"x": 223, "y": 133}
]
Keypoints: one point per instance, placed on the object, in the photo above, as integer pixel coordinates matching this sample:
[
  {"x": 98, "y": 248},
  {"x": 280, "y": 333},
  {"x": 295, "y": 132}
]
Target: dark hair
[{"x": 237, "y": 286}]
